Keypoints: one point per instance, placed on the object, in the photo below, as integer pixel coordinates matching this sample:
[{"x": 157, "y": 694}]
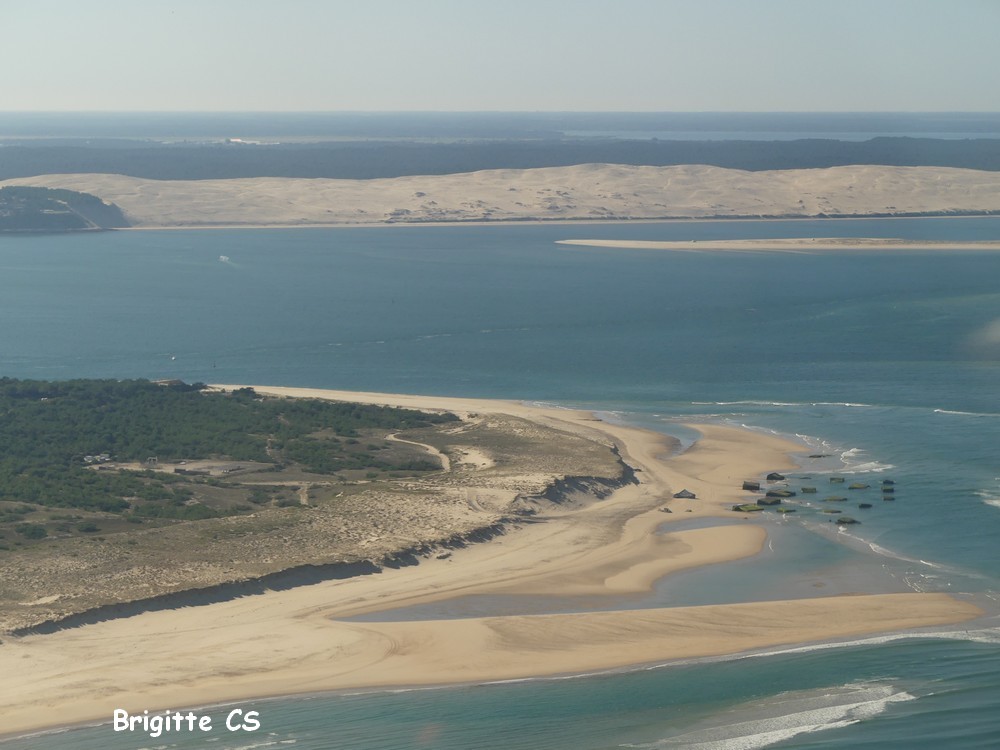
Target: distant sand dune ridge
[{"x": 588, "y": 191}]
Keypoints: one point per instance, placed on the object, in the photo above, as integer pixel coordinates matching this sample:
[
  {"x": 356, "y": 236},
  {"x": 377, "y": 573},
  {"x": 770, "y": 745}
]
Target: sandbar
[
  {"x": 802, "y": 245},
  {"x": 295, "y": 641}
]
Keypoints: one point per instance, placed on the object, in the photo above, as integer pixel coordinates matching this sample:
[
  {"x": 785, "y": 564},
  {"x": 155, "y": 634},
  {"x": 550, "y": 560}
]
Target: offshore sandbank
[
  {"x": 791, "y": 245},
  {"x": 294, "y": 641}
]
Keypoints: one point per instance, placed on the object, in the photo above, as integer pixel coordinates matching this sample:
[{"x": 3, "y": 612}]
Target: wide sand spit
[
  {"x": 584, "y": 192},
  {"x": 296, "y": 641}
]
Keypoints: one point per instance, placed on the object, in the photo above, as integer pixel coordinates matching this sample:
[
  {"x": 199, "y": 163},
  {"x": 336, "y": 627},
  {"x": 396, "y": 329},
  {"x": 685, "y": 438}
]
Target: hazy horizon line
[{"x": 502, "y": 111}]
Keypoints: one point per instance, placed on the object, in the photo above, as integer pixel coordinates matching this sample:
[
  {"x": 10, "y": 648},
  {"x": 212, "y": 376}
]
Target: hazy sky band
[{"x": 556, "y": 55}]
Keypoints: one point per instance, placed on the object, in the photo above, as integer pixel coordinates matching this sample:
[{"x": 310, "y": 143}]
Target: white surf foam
[
  {"x": 819, "y": 445},
  {"x": 761, "y": 723},
  {"x": 759, "y": 403},
  {"x": 966, "y": 413},
  {"x": 893, "y": 555},
  {"x": 847, "y": 404},
  {"x": 702, "y": 415},
  {"x": 980, "y": 635},
  {"x": 855, "y": 462},
  {"x": 564, "y": 407},
  {"x": 851, "y": 460},
  {"x": 989, "y": 498}
]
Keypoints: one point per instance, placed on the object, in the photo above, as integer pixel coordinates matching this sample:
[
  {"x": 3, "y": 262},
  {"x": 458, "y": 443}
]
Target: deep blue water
[{"x": 888, "y": 363}]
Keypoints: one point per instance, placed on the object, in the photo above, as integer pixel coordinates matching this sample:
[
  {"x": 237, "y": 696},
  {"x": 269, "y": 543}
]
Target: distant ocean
[
  {"x": 888, "y": 364},
  {"x": 697, "y": 126}
]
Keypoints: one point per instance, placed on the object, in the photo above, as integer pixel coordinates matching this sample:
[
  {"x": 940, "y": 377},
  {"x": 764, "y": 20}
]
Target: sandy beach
[
  {"x": 586, "y": 192},
  {"x": 295, "y": 641}
]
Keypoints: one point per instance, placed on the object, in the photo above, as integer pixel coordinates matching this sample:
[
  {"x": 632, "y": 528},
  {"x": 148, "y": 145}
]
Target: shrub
[{"x": 31, "y": 530}]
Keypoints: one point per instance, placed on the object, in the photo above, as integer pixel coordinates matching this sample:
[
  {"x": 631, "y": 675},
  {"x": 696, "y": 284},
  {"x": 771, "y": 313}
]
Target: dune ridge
[{"x": 583, "y": 192}]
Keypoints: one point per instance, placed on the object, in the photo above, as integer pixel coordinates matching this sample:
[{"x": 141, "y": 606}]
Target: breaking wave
[
  {"x": 989, "y": 498},
  {"x": 966, "y": 413},
  {"x": 761, "y": 723}
]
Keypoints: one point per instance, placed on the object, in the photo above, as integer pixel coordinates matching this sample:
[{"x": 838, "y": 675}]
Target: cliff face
[{"x": 573, "y": 488}]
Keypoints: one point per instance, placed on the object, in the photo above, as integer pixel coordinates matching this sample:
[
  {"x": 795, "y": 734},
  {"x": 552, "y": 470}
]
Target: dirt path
[{"x": 445, "y": 461}]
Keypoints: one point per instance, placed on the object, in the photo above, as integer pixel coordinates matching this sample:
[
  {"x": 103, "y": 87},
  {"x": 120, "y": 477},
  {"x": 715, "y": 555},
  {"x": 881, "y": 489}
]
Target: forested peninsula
[
  {"x": 116, "y": 493},
  {"x": 371, "y": 159},
  {"x": 40, "y": 209},
  {"x": 103, "y": 452}
]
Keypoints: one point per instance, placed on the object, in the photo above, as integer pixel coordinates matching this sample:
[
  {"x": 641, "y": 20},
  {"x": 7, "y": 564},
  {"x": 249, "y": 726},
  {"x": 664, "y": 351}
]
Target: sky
[{"x": 501, "y": 55}]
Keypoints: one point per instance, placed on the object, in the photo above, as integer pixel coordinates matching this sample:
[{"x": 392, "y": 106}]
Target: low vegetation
[
  {"x": 114, "y": 492},
  {"x": 115, "y": 452}
]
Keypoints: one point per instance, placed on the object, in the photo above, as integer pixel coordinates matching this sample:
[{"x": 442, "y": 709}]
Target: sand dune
[{"x": 588, "y": 191}]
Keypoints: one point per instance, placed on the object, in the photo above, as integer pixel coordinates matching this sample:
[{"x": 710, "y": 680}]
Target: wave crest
[{"x": 787, "y": 715}]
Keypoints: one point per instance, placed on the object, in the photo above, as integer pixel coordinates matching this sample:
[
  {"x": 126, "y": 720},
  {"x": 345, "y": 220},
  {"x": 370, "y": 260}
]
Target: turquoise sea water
[{"x": 886, "y": 363}]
